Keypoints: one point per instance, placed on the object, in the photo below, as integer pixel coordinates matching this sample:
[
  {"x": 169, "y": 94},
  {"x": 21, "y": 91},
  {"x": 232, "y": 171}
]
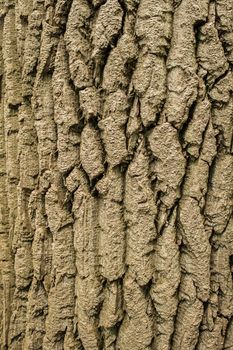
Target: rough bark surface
[{"x": 116, "y": 227}]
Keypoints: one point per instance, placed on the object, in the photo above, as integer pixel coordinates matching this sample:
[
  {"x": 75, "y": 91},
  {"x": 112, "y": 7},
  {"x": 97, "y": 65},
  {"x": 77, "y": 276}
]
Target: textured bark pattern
[{"x": 116, "y": 174}]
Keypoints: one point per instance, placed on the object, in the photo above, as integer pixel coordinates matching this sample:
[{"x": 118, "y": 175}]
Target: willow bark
[{"x": 116, "y": 173}]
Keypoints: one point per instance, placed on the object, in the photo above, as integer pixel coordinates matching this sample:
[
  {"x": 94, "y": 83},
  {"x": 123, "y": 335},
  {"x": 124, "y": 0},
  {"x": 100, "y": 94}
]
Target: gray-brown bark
[{"x": 116, "y": 227}]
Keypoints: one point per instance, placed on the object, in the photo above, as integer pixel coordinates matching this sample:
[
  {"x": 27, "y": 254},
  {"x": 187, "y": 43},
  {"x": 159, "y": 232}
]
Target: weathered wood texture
[{"x": 116, "y": 227}]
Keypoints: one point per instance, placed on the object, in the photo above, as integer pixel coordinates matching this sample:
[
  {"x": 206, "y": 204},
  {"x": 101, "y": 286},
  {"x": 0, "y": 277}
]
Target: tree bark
[{"x": 116, "y": 227}]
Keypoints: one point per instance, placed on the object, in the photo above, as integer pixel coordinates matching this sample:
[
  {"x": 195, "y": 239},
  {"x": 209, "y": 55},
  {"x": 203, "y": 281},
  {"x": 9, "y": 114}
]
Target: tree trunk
[{"x": 116, "y": 227}]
